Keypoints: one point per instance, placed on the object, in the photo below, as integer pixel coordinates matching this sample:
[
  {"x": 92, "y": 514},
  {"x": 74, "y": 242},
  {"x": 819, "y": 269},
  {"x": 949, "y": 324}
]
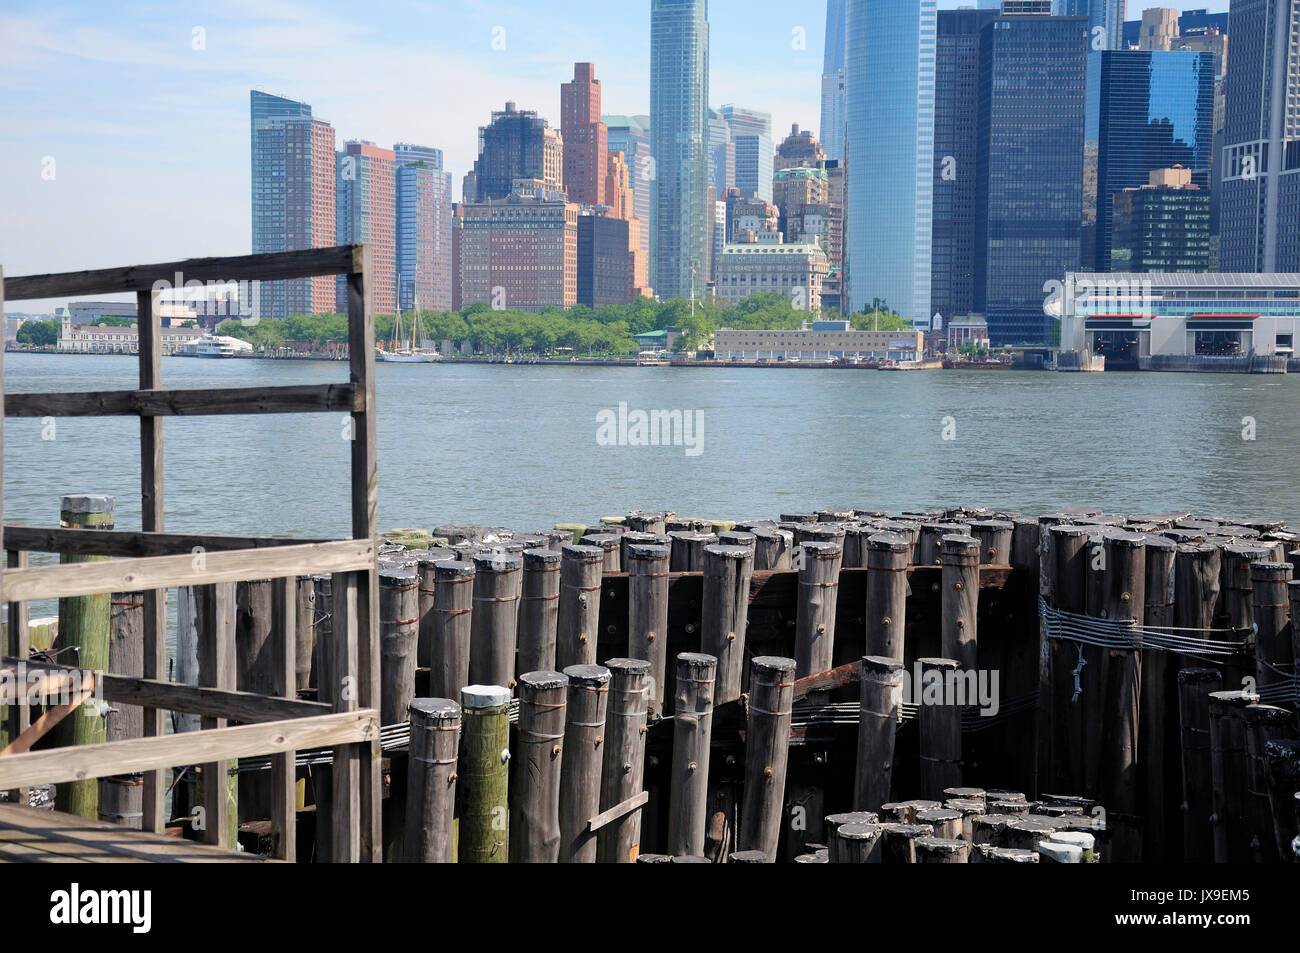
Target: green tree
[{"x": 39, "y": 333}]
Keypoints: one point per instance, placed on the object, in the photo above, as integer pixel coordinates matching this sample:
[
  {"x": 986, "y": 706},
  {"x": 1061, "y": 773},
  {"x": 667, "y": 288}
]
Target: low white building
[
  {"x": 117, "y": 339},
  {"x": 824, "y": 341}
]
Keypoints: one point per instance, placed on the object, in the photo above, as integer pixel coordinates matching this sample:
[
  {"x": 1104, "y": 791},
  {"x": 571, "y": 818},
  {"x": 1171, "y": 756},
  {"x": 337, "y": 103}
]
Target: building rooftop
[{"x": 1208, "y": 279}]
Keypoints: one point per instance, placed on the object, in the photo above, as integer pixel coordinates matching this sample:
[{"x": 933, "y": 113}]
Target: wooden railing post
[
  {"x": 20, "y": 713},
  {"x": 284, "y": 673}
]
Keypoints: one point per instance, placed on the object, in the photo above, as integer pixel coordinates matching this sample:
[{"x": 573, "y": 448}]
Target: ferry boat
[{"x": 212, "y": 345}]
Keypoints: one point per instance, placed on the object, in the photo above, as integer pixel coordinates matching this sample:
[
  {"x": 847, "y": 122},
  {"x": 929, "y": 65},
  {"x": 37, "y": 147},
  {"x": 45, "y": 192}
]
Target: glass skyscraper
[
  {"x": 1259, "y": 207},
  {"x": 832, "y": 127},
  {"x": 681, "y": 219},
  {"x": 751, "y": 136},
  {"x": 889, "y": 134},
  {"x": 630, "y": 135},
  {"x": 1029, "y": 169},
  {"x": 267, "y": 211},
  {"x": 423, "y": 228},
  {"x": 1156, "y": 111},
  {"x": 722, "y": 155}
]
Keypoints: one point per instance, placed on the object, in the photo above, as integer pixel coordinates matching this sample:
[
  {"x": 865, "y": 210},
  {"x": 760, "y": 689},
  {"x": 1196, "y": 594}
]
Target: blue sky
[{"x": 143, "y": 107}]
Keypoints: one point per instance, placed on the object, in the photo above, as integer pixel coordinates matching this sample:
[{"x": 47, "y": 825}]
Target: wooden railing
[{"x": 153, "y": 561}]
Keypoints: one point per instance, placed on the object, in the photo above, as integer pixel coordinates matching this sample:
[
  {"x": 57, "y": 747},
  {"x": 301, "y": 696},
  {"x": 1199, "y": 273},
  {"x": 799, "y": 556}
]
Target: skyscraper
[
  {"x": 262, "y": 108},
  {"x": 679, "y": 100},
  {"x": 722, "y": 154},
  {"x": 956, "y": 105},
  {"x": 751, "y": 134},
  {"x": 1105, "y": 19},
  {"x": 889, "y": 121},
  {"x": 1156, "y": 112},
  {"x": 630, "y": 135},
  {"x": 293, "y": 206},
  {"x": 366, "y": 200},
  {"x": 423, "y": 228},
  {"x": 832, "y": 126},
  {"x": 1029, "y": 168},
  {"x": 517, "y": 144},
  {"x": 585, "y": 137},
  {"x": 1259, "y": 209}
]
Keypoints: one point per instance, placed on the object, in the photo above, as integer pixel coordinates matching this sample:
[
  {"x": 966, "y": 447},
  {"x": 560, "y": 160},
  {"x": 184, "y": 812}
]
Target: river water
[{"x": 517, "y": 445}]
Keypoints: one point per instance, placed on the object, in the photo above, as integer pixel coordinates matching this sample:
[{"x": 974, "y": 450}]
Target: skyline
[{"x": 132, "y": 151}]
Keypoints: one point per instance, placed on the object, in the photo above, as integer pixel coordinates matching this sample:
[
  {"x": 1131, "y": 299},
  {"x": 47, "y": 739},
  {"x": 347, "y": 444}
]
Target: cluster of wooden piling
[{"x": 652, "y": 687}]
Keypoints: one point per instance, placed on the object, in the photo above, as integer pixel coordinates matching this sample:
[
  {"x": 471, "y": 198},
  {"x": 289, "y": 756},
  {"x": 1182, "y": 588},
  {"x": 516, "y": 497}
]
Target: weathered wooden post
[
  {"x": 1237, "y": 600},
  {"x": 1194, "y": 688},
  {"x": 995, "y": 539},
  {"x": 120, "y": 796},
  {"x": 959, "y": 605},
  {"x": 1158, "y": 729},
  {"x": 449, "y": 641},
  {"x": 304, "y": 630},
  {"x": 940, "y": 726},
  {"x": 767, "y": 752},
  {"x": 928, "y": 545},
  {"x": 495, "y": 619},
  {"x": 772, "y": 547},
  {"x": 855, "y": 843},
  {"x": 254, "y": 673},
  {"x": 646, "y": 522},
  {"x": 1125, "y": 603},
  {"x": 1069, "y": 556},
  {"x": 623, "y": 771},
  {"x": 539, "y": 610},
  {"x": 688, "y": 550},
  {"x": 399, "y": 635},
  {"x": 83, "y": 627},
  {"x": 579, "y": 613},
  {"x": 724, "y": 610},
  {"x": 584, "y": 736},
  {"x": 610, "y": 545},
  {"x": 881, "y": 695},
  {"x": 692, "y": 734},
  {"x": 1263, "y": 724},
  {"x": 628, "y": 540},
  {"x": 941, "y": 850},
  {"x": 819, "y": 581},
  {"x": 425, "y": 564},
  {"x": 1230, "y": 768},
  {"x": 483, "y": 777},
  {"x": 1274, "y": 655},
  {"x": 535, "y": 807},
  {"x": 217, "y": 666},
  {"x": 322, "y": 625},
  {"x": 1282, "y": 774},
  {"x": 647, "y": 615},
  {"x": 887, "y": 555},
  {"x": 431, "y": 781}
]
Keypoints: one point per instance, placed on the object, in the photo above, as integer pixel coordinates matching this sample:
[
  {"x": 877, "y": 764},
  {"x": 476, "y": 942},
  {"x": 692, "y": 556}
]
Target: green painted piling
[{"x": 483, "y": 776}]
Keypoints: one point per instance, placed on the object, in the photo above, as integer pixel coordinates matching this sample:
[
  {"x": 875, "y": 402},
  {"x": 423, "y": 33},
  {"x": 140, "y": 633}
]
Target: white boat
[
  {"x": 211, "y": 345},
  {"x": 406, "y": 351}
]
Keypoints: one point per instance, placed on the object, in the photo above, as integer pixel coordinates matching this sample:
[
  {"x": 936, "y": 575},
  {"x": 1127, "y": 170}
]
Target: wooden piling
[
  {"x": 818, "y": 594},
  {"x": 539, "y": 611},
  {"x": 941, "y": 850},
  {"x": 254, "y": 673},
  {"x": 304, "y": 630},
  {"x": 692, "y": 733},
  {"x": 1230, "y": 768},
  {"x": 482, "y": 779},
  {"x": 929, "y": 544},
  {"x": 960, "y": 585},
  {"x": 1194, "y": 688},
  {"x": 940, "y": 727},
  {"x": 579, "y": 612},
  {"x": 767, "y": 751},
  {"x": 995, "y": 540},
  {"x": 898, "y": 842},
  {"x": 1263, "y": 724},
  {"x": 855, "y": 844},
  {"x": 723, "y": 615},
  {"x": 772, "y": 547},
  {"x": 647, "y": 615},
  {"x": 431, "y": 781},
  {"x": 610, "y": 545},
  {"x": 120, "y": 796},
  {"x": 623, "y": 771},
  {"x": 1069, "y": 558},
  {"x": 584, "y": 736},
  {"x": 688, "y": 550},
  {"x": 399, "y": 634},
  {"x": 1282, "y": 776},
  {"x": 535, "y": 806},
  {"x": 1237, "y": 601},
  {"x": 449, "y": 639},
  {"x": 83, "y": 629},
  {"x": 495, "y": 620},
  {"x": 881, "y": 696},
  {"x": 1157, "y": 723},
  {"x": 1274, "y": 656},
  {"x": 1125, "y": 578},
  {"x": 886, "y": 610},
  {"x": 322, "y": 636},
  {"x": 628, "y": 540}
]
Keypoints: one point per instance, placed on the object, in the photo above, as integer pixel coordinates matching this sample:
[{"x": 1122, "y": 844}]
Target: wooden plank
[
  {"x": 610, "y": 815},
  {"x": 49, "y": 718},
  {"x": 345, "y": 836},
  {"x": 20, "y": 714},
  {"x": 61, "y": 765},
  {"x": 113, "y": 542},
  {"x": 365, "y": 525},
  {"x": 246, "y": 707},
  {"x": 339, "y": 259},
  {"x": 157, "y": 572},
  {"x": 838, "y": 677},
  {"x": 287, "y": 399},
  {"x": 284, "y": 664}
]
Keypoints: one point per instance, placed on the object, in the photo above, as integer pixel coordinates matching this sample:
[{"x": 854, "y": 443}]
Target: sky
[{"x": 125, "y": 132}]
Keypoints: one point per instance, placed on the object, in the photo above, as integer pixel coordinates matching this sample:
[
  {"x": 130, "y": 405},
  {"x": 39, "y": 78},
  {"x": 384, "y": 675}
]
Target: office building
[
  {"x": 1161, "y": 226},
  {"x": 604, "y": 262},
  {"x": 366, "y": 197},
  {"x": 832, "y": 115},
  {"x": 423, "y": 228},
  {"x": 518, "y": 252},
  {"x": 751, "y": 135},
  {"x": 517, "y": 144},
  {"x": 762, "y": 262},
  {"x": 585, "y": 137}
]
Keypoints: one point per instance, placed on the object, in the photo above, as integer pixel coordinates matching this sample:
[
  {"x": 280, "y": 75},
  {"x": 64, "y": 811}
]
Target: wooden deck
[{"x": 49, "y": 837}]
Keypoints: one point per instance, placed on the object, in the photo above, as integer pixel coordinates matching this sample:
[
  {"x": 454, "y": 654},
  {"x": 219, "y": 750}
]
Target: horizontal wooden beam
[
  {"x": 247, "y": 707},
  {"x": 79, "y": 763},
  {"x": 116, "y": 542},
  {"x": 164, "y": 572},
  {"x": 292, "y": 399},
  {"x": 847, "y": 674},
  {"x": 338, "y": 260},
  {"x": 611, "y": 814}
]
